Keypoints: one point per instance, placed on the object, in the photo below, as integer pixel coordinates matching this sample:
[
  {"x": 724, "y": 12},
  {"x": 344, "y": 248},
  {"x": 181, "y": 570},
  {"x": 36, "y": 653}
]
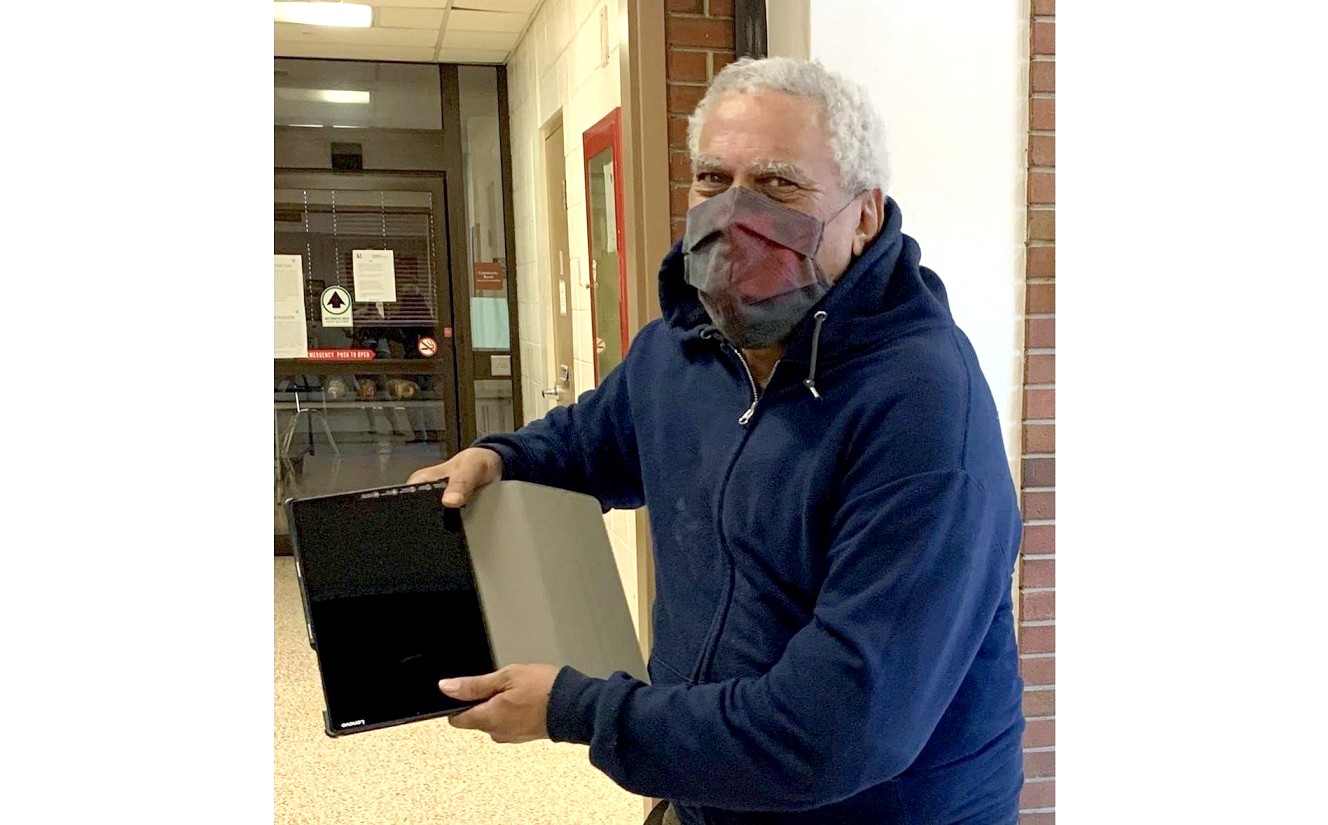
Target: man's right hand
[{"x": 466, "y": 472}]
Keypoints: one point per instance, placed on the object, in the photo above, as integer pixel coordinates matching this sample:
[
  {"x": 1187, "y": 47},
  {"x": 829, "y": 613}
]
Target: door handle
[{"x": 556, "y": 391}]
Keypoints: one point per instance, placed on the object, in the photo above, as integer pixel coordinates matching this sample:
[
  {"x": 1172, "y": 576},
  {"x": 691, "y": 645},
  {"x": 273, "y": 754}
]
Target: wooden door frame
[
  {"x": 459, "y": 245},
  {"x": 555, "y": 124},
  {"x": 509, "y": 246}
]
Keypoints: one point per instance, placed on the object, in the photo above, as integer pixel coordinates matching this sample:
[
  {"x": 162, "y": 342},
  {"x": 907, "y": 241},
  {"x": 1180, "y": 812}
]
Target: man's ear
[{"x": 870, "y": 221}]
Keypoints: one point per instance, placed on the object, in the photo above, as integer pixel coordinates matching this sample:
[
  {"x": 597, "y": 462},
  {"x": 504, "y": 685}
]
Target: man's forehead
[{"x": 758, "y": 131}]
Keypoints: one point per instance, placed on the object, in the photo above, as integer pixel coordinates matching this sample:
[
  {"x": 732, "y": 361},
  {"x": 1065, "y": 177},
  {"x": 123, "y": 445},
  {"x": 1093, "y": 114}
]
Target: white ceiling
[{"x": 420, "y": 31}]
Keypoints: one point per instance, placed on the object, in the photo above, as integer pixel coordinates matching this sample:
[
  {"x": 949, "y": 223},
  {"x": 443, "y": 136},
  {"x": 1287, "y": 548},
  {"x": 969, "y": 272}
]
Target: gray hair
[{"x": 857, "y": 135}]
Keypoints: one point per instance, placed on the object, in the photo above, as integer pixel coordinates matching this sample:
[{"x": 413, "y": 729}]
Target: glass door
[{"x": 365, "y": 382}]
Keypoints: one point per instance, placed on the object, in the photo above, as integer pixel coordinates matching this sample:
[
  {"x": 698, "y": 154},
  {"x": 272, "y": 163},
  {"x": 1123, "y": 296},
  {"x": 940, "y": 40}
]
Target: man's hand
[
  {"x": 518, "y": 706},
  {"x": 466, "y": 472}
]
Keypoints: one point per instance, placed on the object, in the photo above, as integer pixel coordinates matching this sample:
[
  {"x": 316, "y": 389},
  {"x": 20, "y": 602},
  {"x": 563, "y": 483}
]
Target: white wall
[
  {"x": 950, "y": 80},
  {"x": 556, "y": 67},
  {"x": 559, "y": 66}
]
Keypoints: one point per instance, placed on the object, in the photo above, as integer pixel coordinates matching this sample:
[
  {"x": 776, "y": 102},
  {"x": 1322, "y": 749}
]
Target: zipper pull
[
  {"x": 810, "y": 382},
  {"x": 747, "y": 416}
]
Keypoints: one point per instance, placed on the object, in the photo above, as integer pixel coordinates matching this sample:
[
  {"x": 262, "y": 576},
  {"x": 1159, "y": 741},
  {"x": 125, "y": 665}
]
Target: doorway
[
  {"x": 373, "y": 395},
  {"x": 602, "y": 153},
  {"x": 559, "y": 386},
  {"x": 395, "y": 304}
]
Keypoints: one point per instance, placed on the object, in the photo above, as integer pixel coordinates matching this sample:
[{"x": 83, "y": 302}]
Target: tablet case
[
  {"x": 399, "y": 592},
  {"x": 548, "y": 580}
]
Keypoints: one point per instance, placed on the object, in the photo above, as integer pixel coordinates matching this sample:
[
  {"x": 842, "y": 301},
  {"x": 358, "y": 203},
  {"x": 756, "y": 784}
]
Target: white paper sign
[
  {"x": 291, "y": 331},
  {"x": 562, "y": 296},
  {"x": 375, "y": 275},
  {"x": 336, "y": 305}
]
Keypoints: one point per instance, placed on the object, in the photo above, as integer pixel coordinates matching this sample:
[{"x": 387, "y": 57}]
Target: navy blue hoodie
[{"x": 833, "y": 624}]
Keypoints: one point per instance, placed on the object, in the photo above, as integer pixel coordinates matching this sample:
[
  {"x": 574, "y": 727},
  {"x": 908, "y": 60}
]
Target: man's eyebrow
[
  {"x": 708, "y": 163},
  {"x": 778, "y": 168}
]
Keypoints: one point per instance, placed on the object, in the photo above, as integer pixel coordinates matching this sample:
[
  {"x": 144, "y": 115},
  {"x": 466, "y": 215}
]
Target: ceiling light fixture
[
  {"x": 324, "y": 95},
  {"x": 344, "y": 15},
  {"x": 343, "y": 96}
]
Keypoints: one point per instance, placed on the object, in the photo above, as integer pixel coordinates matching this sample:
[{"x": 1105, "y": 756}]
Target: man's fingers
[
  {"x": 473, "y": 688},
  {"x": 426, "y": 475},
  {"x": 457, "y": 492},
  {"x": 459, "y": 483},
  {"x": 464, "y": 472},
  {"x": 484, "y": 718},
  {"x": 479, "y": 717}
]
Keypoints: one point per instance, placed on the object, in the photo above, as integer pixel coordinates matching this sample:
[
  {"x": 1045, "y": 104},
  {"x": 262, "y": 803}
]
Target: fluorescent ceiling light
[
  {"x": 342, "y": 96},
  {"x": 346, "y": 15},
  {"x": 324, "y": 95},
  {"x": 308, "y": 125}
]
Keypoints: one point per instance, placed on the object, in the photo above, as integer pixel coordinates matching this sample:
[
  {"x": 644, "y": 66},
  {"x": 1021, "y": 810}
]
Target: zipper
[
  {"x": 756, "y": 394},
  {"x": 713, "y": 335}
]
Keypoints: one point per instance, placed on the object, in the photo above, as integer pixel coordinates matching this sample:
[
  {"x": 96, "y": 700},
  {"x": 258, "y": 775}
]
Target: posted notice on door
[
  {"x": 291, "y": 332},
  {"x": 375, "y": 274}
]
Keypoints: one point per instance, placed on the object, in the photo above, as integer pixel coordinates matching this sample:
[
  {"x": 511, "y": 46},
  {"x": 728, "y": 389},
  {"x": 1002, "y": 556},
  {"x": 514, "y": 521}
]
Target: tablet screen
[{"x": 391, "y": 598}]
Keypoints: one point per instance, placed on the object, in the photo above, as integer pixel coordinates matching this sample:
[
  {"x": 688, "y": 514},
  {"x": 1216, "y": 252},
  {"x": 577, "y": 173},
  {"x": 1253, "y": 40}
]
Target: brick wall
[
  {"x": 1037, "y": 588},
  {"x": 699, "y": 41}
]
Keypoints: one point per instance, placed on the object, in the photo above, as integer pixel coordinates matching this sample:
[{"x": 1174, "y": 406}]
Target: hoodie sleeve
[
  {"x": 917, "y": 570},
  {"x": 588, "y": 447}
]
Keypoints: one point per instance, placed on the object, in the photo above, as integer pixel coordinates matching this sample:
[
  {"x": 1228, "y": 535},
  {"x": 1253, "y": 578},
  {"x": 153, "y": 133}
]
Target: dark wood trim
[
  {"x": 459, "y": 245},
  {"x": 509, "y": 235},
  {"x": 390, "y": 180},
  {"x": 749, "y": 28},
  {"x": 415, "y": 150},
  {"x": 395, "y": 366}
]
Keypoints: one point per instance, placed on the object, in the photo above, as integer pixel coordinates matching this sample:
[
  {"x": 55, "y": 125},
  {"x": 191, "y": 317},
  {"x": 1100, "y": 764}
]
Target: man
[{"x": 834, "y": 521}]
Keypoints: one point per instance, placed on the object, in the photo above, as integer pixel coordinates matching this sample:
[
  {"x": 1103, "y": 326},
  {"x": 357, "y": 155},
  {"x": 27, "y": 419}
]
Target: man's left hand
[{"x": 517, "y": 709}]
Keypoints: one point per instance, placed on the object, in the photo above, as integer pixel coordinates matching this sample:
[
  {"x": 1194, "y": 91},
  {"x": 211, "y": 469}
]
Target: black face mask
[{"x": 753, "y": 261}]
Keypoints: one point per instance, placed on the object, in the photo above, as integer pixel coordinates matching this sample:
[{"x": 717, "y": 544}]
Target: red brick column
[
  {"x": 698, "y": 37},
  {"x": 1037, "y": 589}
]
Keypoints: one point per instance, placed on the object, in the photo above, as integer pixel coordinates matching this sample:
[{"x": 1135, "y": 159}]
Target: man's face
[{"x": 774, "y": 144}]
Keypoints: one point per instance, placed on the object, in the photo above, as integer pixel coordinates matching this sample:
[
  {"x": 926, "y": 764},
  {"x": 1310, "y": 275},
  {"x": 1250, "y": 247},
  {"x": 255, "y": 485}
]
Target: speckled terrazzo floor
[{"x": 425, "y": 772}]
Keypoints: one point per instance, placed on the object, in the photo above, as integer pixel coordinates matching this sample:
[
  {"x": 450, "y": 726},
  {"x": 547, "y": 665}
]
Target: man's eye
[
  {"x": 780, "y": 183},
  {"x": 711, "y": 178}
]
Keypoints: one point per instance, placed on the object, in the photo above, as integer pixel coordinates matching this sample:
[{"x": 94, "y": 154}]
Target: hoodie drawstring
[{"x": 810, "y": 382}]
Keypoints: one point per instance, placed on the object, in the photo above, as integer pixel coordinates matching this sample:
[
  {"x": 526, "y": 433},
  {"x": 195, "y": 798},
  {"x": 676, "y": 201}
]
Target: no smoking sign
[{"x": 427, "y": 346}]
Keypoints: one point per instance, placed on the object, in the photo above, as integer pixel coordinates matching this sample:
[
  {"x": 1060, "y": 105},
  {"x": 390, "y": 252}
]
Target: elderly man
[{"x": 834, "y": 521}]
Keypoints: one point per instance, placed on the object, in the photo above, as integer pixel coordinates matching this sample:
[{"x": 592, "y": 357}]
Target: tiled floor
[{"x": 425, "y": 772}]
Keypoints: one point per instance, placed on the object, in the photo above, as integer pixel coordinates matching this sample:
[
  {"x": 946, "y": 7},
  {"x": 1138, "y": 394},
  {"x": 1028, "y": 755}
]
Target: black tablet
[{"x": 390, "y": 603}]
